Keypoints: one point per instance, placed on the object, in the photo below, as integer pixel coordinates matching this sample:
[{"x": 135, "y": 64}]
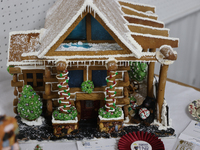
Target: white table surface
[{"x": 178, "y": 97}]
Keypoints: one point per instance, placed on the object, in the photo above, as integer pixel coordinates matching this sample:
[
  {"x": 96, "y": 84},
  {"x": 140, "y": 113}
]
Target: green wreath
[
  {"x": 87, "y": 86},
  {"x": 70, "y": 116},
  {"x": 104, "y": 114}
]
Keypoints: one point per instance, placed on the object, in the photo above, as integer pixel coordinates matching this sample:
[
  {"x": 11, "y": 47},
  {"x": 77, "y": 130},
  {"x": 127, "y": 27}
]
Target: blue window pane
[
  {"x": 79, "y": 33},
  {"x": 98, "y": 77},
  {"x": 98, "y": 31},
  {"x": 75, "y": 78}
]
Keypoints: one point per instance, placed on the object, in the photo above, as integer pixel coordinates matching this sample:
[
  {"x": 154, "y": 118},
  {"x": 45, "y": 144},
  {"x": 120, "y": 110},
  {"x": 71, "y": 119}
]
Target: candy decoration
[
  {"x": 38, "y": 147},
  {"x": 144, "y": 113}
]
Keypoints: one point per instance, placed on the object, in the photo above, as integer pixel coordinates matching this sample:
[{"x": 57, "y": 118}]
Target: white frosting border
[
  {"x": 63, "y": 122},
  {"x": 107, "y": 119},
  {"x": 39, "y": 121}
]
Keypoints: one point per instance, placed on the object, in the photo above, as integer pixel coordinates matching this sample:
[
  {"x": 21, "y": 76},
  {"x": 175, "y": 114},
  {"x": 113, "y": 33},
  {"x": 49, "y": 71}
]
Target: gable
[
  {"x": 121, "y": 48},
  {"x": 111, "y": 19},
  {"x": 81, "y": 31}
]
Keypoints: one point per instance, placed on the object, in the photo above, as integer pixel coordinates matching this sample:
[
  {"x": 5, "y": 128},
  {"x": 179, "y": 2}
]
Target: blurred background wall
[{"x": 182, "y": 17}]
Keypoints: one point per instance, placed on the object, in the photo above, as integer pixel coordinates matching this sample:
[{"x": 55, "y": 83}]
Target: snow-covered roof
[
  {"x": 22, "y": 42},
  {"x": 134, "y": 25},
  {"x": 62, "y": 16}
]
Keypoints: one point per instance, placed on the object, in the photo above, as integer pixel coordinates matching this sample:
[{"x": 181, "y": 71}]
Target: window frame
[
  {"x": 90, "y": 75},
  {"x": 34, "y": 79},
  {"x": 84, "y": 68},
  {"x": 89, "y": 34}
]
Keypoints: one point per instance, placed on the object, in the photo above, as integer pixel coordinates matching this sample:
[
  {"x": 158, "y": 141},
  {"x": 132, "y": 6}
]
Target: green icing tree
[
  {"x": 138, "y": 71},
  {"x": 29, "y": 105},
  {"x": 38, "y": 147}
]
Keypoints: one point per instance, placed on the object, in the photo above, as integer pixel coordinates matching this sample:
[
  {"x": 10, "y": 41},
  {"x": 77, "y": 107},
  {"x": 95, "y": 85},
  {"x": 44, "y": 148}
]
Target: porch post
[
  {"x": 111, "y": 83},
  {"x": 161, "y": 88},
  {"x": 150, "y": 76},
  {"x": 64, "y": 95},
  {"x": 165, "y": 56}
]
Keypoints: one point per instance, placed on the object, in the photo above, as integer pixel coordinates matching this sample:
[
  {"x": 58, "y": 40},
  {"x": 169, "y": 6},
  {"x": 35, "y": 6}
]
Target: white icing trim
[
  {"x": 126, "y": 120},
  {"x": 159, "y": 57},
  {"x": 31, "y": 67},
  {"x": 64, "y": 122},
  {"x": 107, "y": 119},
  {"x": 39, "y": 121},
  {"x": 24, "y": 32},
  {"x": 142, "y": 18},
  {"x": 163, "y": 114},
  {"x": 154, "y": 36},
  {"x": 29, "y": 62},
  {"x": 146, "y": 26},
  {"x": 139, "y": 4},
  {"x": 160, "y": 126},
  {"x": 29, "y": 54},
  {"x": 140, "y": 12}
]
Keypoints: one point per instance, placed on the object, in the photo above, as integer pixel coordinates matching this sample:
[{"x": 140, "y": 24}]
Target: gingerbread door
[{"x": 89, "y": 109}]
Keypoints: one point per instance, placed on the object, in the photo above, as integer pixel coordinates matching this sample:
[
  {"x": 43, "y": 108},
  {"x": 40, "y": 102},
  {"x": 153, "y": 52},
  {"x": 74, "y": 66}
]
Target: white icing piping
[
  {"x": 149, "y": 19},
  {"x": 107, "y": 119},
  {"x": 140, "y": 12},
  {"x": 139, "y": 4},
  {"x": 155, "y": 36},
  {"x": 146, "y": 26},
  {"x": 63, "y": 122}
]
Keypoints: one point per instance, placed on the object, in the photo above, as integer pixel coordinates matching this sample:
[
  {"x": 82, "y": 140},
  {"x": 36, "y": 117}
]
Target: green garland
[
  {"x": 103, "y": 112},
  {"x": 138, "y": 71},
  {"x": 29, "y": 104},
  {"x": 8, "y": 69},
  {"x": 70, "y": 116},
  {"x": 87, "y": 86}
]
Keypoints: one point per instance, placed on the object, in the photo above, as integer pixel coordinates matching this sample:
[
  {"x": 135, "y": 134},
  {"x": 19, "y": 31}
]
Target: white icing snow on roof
[{"x": 61, "y": 16}]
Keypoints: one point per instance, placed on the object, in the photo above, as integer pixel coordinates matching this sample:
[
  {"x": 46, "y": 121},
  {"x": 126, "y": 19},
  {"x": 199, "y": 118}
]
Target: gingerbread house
[{"x": 93, "y": 40}]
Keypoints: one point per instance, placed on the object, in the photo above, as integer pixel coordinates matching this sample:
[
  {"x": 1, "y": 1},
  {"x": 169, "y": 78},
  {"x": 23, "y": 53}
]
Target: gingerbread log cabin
[{"x": 79, "y": 61}]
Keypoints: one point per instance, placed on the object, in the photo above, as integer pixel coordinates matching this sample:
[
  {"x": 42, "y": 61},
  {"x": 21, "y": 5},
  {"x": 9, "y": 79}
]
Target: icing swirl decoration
[
  {"x": 110, "y": 93},
  {"x": 66, "y": 111},
  {"x": 63, "y": 92}
]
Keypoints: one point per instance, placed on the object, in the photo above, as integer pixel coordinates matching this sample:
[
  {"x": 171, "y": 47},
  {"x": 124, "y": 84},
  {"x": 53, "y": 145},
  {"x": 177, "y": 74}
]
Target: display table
[{"x": 177, "y": 96}]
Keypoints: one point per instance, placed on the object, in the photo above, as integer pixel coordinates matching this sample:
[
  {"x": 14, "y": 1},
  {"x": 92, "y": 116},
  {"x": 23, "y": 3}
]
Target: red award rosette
[{"x": 140, "y": 140}]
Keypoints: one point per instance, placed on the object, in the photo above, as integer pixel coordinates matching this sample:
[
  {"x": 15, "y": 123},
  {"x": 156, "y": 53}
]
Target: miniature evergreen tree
[
  {"x": 29, "y": 104},
  {"x": 38, "y": 147},
  {"x": 138, "y": 71}
]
